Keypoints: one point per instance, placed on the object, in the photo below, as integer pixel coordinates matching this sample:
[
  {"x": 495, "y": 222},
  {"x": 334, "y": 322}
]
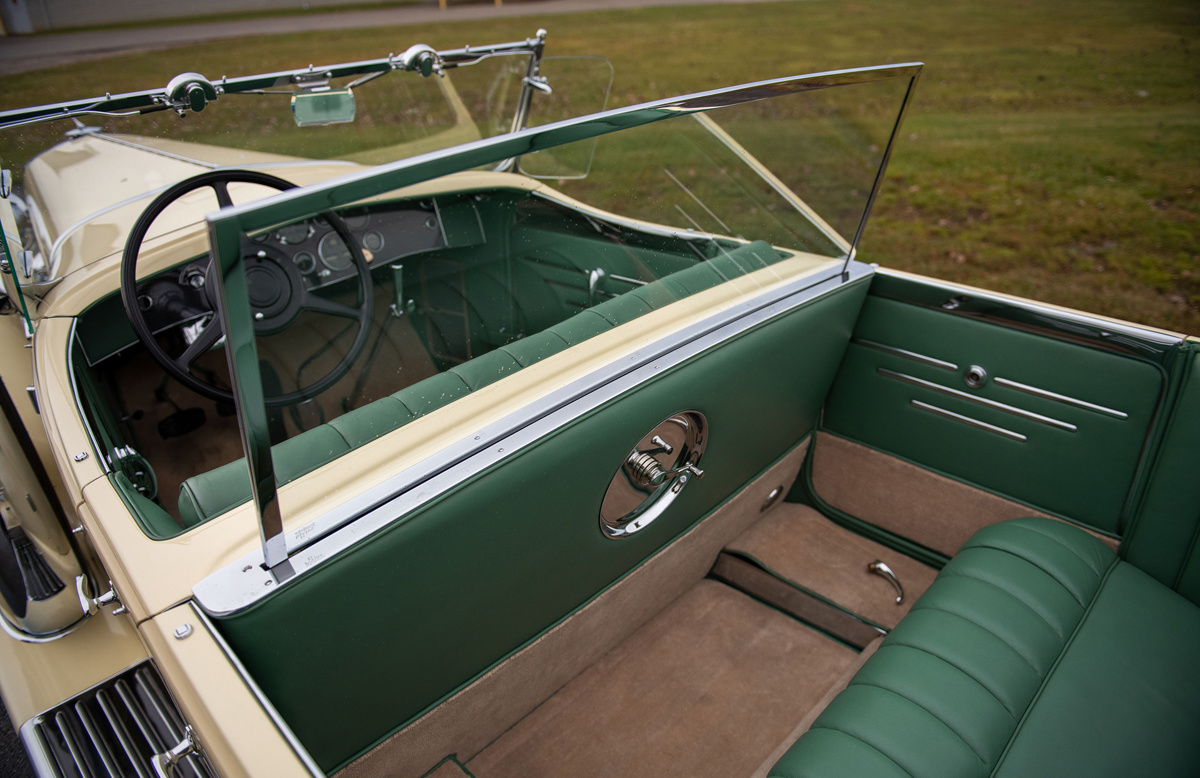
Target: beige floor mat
[
  {"x": 801, "y": 545},
  {"x": 709, "y": 687}
]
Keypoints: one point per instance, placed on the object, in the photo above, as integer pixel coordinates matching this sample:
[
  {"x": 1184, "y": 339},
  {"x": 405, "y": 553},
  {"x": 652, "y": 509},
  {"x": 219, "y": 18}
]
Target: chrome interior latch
[
  {"x": 654, "y": 473},
  {"x": 880, "y": 568}
]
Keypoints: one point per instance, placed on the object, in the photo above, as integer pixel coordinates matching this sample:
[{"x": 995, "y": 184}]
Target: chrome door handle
[{"x": 879, "y": 568}]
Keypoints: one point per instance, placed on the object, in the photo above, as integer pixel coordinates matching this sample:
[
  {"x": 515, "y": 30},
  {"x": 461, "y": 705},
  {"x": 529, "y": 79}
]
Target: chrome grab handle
[{"x": 879, "y": 568}]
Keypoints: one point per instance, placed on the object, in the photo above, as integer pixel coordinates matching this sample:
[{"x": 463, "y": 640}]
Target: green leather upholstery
[
  {"x": 210, "y": 494},
  {"x": 1036, "y": 652},
  {"x": 444, "y": 593},
  {"x": 1164, "y": 538}
]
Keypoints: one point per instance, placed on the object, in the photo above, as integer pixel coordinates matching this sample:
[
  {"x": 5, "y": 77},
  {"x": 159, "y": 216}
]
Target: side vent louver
[
  {"x": 114, "y": 729},
  {"x": 40, "y": 581}
]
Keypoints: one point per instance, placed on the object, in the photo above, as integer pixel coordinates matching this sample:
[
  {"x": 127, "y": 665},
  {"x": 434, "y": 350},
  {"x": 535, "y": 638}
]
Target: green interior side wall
[
  {"x": 1085, "y": 475},
  {"x": 436, "y": 599},
  {"x": 1165, "y": 538}
]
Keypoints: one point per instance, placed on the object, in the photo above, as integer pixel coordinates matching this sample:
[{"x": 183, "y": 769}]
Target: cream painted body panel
[
  {"x": 38, "y": 676},
  {"x": 238, "y": 736}
]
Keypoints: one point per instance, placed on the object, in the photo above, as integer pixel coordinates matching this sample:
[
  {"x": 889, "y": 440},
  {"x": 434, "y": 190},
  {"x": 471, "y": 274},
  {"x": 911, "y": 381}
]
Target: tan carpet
[
  {"x": 709, "y": 687},
  {"x": 801, "y": 545}
]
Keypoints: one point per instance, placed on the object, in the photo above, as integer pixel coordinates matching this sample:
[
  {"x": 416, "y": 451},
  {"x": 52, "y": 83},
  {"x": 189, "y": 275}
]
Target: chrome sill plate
[{"x": 244, "y": 582}]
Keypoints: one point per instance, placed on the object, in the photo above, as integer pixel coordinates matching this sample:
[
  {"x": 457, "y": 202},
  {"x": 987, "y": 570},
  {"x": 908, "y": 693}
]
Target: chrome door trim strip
[
  {"x": 301, "y": 752},
  {"x": 914, "y": 356},
  {"x": 1062, "y": 398},
  {"x": 245, "y": 581},
  {"x": 1021, "y": 412},
  {"x": 983, "y": 425}
]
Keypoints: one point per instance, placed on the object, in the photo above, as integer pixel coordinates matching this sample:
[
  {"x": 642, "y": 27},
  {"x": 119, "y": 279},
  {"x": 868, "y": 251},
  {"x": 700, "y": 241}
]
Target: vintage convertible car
[{"x": 392, "y": 437}]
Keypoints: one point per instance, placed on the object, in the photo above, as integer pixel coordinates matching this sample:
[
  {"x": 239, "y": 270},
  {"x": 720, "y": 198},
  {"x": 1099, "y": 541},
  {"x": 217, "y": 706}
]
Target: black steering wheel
[{"x": 278, "y": 293}]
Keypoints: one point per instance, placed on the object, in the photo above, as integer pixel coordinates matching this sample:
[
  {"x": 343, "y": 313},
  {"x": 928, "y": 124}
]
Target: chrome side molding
[
  {"x": 1015, "y": 411},
  {"x": 976, "y": 423},
  {"x": 1062, "y": 398},
  {"x": 914, "y": 356}
]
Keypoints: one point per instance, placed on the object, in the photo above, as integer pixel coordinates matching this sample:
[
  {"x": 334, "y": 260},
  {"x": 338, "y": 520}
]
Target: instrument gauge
[
  {"x": 305, "y": 262},
  {"x": 294, "y": 234},
  {"x": 334, "y": 252}
]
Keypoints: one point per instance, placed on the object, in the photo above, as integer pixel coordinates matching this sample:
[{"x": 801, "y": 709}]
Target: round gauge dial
[
  {"x": 334, "y": 252},
  {"x": 305, "y": 262},
  {"x": 294, "y": 233},
  {"x": 357, "y": 219},
  {"x": 373, "y": 240}
]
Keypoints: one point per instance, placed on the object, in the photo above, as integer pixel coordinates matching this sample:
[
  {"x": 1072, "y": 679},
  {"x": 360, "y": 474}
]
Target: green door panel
[
  {"x": 1164, "y": 540},
  {"x": 431, "y": 602},
  {"x": 1085, "y": 474}
]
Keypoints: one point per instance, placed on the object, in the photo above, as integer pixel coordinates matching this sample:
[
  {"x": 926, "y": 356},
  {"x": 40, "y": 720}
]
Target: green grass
[{"x": 1051, "y": 149}]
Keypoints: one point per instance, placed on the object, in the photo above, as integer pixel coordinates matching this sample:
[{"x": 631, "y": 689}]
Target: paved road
[{"x": 31, "y": 52}]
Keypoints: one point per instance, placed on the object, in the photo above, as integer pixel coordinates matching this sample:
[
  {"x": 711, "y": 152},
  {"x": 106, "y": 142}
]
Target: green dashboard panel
[
  {"x": 883, "y": 399},
  {"x": 431, "y": 602}
]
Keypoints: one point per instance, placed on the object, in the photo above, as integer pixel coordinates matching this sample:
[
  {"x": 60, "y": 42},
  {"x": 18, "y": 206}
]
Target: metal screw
[
  {"x": 82, "y": 455},
  {"x": 182, "y": 631}
]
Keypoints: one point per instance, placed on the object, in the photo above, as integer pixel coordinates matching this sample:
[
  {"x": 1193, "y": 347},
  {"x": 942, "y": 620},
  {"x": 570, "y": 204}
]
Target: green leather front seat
[{"x": 1036, "y": 652}]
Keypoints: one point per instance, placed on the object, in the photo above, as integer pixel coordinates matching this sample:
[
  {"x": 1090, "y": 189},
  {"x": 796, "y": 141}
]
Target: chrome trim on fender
[
  {"x": 1062, "y": 398},
  {"x": 16, "y": 633},
  {"x": 245, "y": 581},
  {"x": 1021, "y": 412},
  {"x": 914, "y": 356},
  {"x": 976, "y": 423}
]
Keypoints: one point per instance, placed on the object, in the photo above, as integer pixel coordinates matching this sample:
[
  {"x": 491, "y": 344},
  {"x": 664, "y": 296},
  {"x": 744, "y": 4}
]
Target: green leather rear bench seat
[
  {"x": 1035, "y": 652},
  {"x": 210, "y": 494}
]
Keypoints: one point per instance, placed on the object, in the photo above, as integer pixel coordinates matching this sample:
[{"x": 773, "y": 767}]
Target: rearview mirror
[{"x": 332, "y": 106}]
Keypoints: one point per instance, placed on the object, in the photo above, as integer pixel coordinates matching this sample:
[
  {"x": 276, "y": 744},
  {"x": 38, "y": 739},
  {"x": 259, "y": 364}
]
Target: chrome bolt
[
  {"x": 182, "y": 631},
  {"x": 82, "y": 455}
]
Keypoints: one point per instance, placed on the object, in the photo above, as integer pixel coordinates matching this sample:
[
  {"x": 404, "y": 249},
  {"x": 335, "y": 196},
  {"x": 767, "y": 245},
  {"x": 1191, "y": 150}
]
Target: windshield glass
[
  {"x": 364, "y": 279},
  {"x": 677, "y": 217},
  {"x": 343, "y": 116}
]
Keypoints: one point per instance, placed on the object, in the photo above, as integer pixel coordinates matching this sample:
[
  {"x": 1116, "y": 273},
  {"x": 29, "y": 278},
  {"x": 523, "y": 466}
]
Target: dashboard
[{"x": 384, "y": 232}]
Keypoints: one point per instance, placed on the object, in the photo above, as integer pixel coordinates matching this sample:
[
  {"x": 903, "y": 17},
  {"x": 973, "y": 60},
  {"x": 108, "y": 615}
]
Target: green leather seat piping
[{"x": 210, "y": 494}]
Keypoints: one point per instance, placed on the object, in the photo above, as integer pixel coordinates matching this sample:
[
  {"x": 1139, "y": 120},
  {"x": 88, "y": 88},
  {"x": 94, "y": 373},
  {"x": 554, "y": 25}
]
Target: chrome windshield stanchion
[{"x": 246, "y": 379}]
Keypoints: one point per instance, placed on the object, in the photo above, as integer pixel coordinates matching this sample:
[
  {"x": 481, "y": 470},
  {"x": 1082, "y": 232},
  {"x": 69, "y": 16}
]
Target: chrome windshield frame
[
  {"x": 420, "y": 59},
  {"x": 228, "y": 225}
]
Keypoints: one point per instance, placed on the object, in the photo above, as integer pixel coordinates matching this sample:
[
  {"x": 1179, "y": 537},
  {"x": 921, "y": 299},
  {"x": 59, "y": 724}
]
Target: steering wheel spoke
[
  {"x": 277, "y": 291},
  {"x": 317, "y": 304},
  {"x": 221, "y": 189},
  {"x": 207, "y": 338}
]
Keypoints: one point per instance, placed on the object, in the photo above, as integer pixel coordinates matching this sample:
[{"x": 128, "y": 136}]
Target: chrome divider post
[{"x": 225, "y": 236}]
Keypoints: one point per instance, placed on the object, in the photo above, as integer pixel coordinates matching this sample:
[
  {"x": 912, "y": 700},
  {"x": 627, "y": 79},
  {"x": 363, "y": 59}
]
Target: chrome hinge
[
  {"x": 165, "y": 763},
  {"x": 92, "y": 605}
]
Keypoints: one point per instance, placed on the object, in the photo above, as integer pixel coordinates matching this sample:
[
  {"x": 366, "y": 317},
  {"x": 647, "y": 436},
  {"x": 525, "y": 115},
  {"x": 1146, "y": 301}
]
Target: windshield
[
  {"x": 678, "y": 205},
  {"x": 315, "y": 123},
  {"x": 288, "y": 273}
]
